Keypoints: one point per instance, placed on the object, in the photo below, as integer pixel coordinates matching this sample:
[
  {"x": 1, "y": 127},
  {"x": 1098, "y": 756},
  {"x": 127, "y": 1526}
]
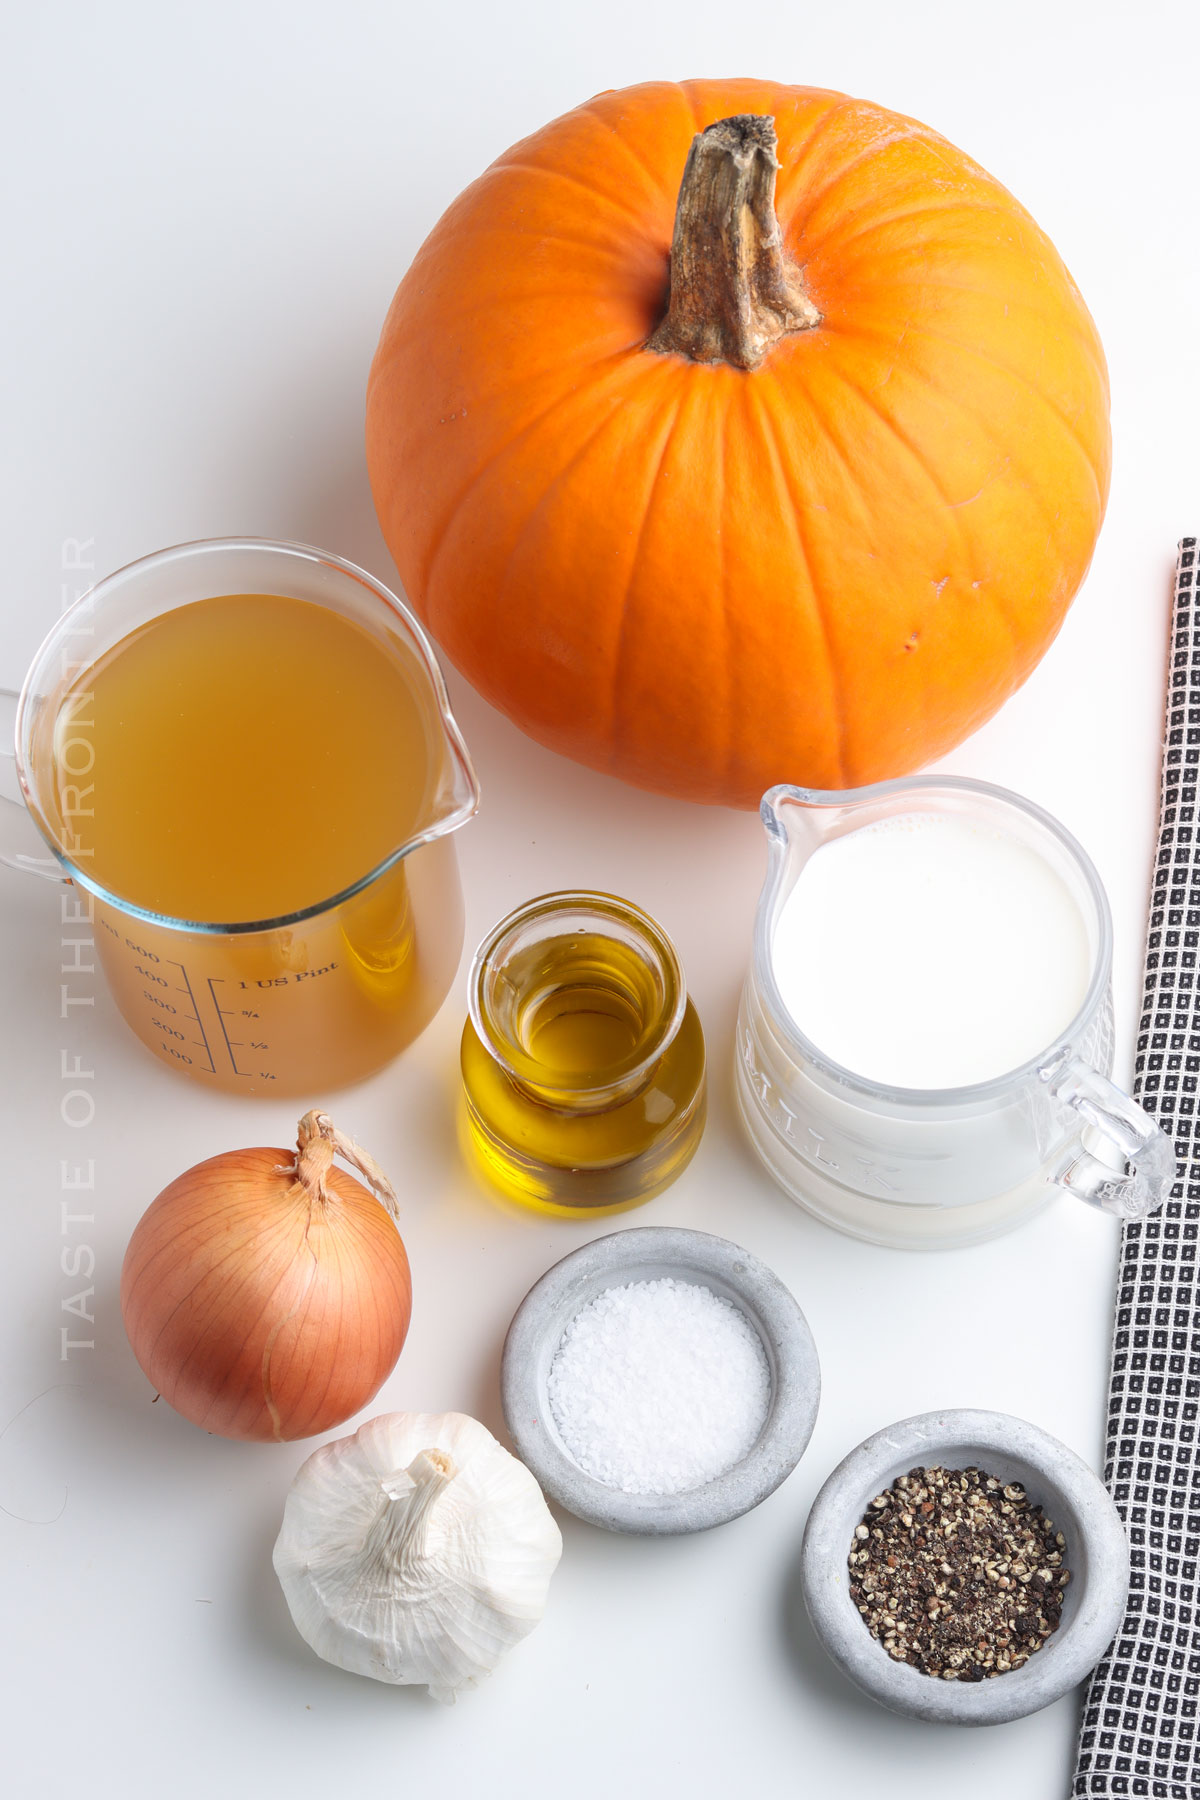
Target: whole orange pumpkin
[{"x": 709, "y": 501}]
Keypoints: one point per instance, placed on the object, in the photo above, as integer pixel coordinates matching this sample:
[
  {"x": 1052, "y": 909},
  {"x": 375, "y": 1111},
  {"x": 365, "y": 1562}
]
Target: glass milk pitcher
[{"x": 934, "y": 1167}]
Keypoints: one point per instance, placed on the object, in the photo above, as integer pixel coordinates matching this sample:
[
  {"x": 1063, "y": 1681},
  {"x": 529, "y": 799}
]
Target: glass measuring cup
[
  {"x": 931, "y": 1167},
  {"x": 308, "y": 1000}
]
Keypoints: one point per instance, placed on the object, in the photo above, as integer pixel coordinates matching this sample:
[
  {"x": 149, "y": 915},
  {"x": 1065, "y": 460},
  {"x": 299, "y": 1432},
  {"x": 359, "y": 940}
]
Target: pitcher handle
[
  {"x": 22, "y": 845},
  {"x": 1148, "y": 1155}
]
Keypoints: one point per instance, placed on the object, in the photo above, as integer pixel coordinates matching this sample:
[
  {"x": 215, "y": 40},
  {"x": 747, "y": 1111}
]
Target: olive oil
[{"x": 583, "y": 1062}]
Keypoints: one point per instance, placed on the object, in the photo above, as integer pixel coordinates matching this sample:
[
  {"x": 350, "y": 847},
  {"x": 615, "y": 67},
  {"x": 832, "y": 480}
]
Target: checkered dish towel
[{"x": 1140, "y": 1715}]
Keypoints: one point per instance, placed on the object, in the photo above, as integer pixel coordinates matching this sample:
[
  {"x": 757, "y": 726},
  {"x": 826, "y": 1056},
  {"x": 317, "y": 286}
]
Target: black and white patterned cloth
[{"x": 1139, "y": 1734}]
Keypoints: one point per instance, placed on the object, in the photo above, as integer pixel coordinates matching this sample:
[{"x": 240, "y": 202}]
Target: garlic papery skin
[{"x": 417, "y": 1551}]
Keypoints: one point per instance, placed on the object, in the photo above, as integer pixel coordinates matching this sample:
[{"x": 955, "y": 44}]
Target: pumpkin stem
[{"x": 734, "y": 289}]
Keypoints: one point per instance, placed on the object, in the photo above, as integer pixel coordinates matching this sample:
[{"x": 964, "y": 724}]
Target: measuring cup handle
[
  {"x": 1122, "y": 1127},
  {"x": 22, "y": 845}
]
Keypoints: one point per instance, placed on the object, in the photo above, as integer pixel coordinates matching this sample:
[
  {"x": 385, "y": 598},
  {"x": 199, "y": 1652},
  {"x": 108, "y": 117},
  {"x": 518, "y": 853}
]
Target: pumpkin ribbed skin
[{"x": 704, "y": 579}]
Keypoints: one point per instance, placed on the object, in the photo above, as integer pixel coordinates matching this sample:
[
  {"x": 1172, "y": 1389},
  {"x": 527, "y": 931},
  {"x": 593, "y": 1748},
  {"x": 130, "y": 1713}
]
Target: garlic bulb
[{"x": 417, "y": 1550}]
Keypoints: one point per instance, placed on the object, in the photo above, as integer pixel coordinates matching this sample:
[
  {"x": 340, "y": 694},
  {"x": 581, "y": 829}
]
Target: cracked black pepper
[{"x": 957, "y": 1573}]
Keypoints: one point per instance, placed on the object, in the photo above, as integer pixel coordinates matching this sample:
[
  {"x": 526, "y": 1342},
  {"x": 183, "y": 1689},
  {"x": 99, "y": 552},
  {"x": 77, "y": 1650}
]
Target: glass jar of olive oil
[{"x": 582, "y": 1058}]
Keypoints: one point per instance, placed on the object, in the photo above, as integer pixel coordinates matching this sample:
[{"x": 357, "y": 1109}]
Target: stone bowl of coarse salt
[
  {"x": 988, "y": 1556},
  {"x": 660, "y": 1381}
]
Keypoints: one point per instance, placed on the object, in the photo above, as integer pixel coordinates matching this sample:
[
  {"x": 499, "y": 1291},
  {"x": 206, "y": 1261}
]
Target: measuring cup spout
[
  {"x": 456, "y": 797},
  {"x": 807, "y": 815},
  {"x": 792, "y": 820}
]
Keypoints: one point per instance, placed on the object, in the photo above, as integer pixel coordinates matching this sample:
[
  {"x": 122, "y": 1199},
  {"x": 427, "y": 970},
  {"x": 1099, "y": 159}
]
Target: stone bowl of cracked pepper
[
  {"x": 964, "y": 1567},
  {"x": 958, "y": 1573}
]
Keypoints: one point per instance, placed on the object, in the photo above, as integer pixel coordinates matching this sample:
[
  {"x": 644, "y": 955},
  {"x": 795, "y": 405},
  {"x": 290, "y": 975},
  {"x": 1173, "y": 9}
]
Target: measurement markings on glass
[
  {"x": 201, "y": 1043},
  {"x": 232, "y": 1044}
]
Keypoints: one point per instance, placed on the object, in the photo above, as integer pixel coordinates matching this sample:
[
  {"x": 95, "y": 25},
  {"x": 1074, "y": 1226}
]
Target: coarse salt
[{"x": 659, "y": 1386}]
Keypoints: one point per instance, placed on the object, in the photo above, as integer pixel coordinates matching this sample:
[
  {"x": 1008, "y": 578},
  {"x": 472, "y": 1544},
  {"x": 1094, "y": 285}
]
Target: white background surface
[{"x": 205, "y": 212}]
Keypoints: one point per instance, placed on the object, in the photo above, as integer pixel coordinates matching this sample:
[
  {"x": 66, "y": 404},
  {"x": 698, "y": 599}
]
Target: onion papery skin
[{"x": 259, "y": 1309}]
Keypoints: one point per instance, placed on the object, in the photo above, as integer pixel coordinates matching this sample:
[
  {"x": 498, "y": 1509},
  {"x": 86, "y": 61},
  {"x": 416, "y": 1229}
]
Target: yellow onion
[{"x": 267, "y": 1294}]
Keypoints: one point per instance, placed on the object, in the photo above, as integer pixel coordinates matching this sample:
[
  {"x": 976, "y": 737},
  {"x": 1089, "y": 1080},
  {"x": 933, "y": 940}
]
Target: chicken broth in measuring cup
[
  {"x": 257, "y": 787},
  {"x": 252, "y": 755}
]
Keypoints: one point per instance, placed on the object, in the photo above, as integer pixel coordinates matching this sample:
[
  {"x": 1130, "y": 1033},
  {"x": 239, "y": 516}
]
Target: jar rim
[{"x": 621, "y": 1077}]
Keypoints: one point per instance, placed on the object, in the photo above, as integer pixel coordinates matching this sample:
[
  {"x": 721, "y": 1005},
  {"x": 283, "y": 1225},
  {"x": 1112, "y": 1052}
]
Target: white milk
[{"x": 926, "y": 951}]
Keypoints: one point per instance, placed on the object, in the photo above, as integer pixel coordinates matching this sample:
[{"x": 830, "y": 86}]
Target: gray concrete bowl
[
  {"x": 648, "y": 1254},
  {"x": 1097, "y": 1555}
]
